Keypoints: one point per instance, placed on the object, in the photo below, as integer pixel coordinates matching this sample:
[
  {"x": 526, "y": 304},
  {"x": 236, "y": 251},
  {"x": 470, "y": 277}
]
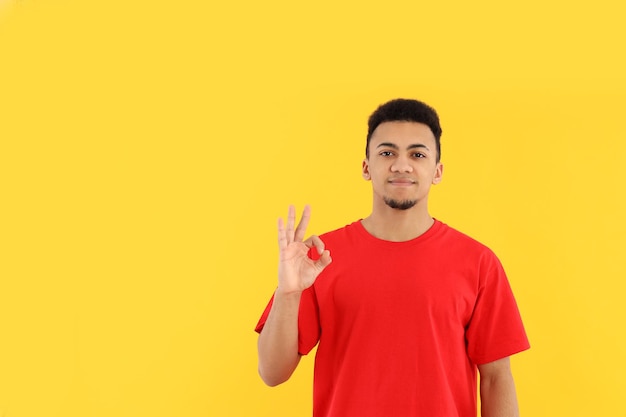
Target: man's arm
[
  {"x": 497, "y": 390},
  {"x": 278, "y": 341}
]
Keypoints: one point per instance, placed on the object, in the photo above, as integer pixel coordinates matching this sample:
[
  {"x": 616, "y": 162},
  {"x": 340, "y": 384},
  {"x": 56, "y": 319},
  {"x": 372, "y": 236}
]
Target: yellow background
[{"x": 147, "y": 148}]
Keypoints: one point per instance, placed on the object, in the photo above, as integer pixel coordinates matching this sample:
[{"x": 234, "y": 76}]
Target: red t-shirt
[{"x": 401, "y": 326}]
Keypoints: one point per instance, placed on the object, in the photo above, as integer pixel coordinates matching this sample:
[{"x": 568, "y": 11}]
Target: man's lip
[{"x": 402, "y": 181}]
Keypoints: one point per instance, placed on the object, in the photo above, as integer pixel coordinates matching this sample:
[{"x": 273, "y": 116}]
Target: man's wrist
[{"x": 287, "y": 293}]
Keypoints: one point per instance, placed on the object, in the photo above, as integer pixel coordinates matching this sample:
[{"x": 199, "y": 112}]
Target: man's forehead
[
  {"x": 400, "y": 133},
  {"x": 395, "y": 146}
]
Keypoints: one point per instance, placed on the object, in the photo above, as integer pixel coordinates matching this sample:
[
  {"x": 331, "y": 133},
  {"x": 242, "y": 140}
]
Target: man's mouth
[{"x": 401, "y": 181}]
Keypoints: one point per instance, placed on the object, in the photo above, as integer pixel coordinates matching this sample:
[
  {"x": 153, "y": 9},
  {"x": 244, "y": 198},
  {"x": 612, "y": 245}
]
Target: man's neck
[{"x": 398, "y": 225}]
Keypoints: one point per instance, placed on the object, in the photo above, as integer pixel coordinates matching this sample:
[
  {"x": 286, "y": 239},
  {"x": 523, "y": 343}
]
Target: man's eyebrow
[
  {"x": 394, "y": 146},
  {"x": 388, "y": 145},
  {"x": 418, "y": 145}
]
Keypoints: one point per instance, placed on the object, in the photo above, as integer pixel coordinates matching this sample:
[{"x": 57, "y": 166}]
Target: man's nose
[{"x": 402, "y": 164}]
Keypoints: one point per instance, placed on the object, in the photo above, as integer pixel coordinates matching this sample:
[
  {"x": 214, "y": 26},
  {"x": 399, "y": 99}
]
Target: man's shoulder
[
  {"x": 349, "y": 228},
  {"x": 457, "y": 238}
]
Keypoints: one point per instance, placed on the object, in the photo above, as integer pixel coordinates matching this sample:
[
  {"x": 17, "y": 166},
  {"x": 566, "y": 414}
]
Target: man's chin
[{"x": 400, "y": 204}]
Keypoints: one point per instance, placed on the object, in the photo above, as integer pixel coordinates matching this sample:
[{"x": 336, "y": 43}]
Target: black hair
[{"x": 405, "y": 110}]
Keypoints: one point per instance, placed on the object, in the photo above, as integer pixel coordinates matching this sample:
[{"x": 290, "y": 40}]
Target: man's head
[{"x": 405, "y": 110}]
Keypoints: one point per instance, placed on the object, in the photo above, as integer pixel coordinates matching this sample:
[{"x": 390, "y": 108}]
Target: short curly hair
[{"x": 405, "y": 110}]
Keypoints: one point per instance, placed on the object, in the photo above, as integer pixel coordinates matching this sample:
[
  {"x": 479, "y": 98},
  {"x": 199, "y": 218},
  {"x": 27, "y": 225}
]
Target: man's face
[{"x": 402, "y": 163}]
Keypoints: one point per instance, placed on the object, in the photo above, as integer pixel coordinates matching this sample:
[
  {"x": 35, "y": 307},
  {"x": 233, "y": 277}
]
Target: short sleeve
[
  {"x": 308, "y": 321},
  {"x": 495, "y": 330}
]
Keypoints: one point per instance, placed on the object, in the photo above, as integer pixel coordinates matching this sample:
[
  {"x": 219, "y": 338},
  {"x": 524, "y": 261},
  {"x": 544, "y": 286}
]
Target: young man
[{"x": 408, "y": 310}]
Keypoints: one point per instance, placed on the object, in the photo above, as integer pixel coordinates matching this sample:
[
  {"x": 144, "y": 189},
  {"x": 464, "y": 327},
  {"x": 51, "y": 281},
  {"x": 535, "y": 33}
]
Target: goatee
[{"x": 399, "y": 205}]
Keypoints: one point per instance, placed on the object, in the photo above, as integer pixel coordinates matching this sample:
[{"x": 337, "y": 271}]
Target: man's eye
[
  {"x": 419, "y": 155},
  {"x": 386, "y": 153}
]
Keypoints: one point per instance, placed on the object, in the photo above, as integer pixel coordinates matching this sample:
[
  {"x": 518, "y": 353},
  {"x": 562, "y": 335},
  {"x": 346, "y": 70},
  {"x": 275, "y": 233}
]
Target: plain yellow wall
[{"x": 147, "y": 148}]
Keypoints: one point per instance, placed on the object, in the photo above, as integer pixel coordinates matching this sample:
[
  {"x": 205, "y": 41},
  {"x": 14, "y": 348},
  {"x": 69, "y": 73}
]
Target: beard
[{"x": 399, "y": 204}]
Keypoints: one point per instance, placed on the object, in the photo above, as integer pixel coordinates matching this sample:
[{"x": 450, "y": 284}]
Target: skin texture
[
  {"x": 402, "y": 167},
  {"x": 497, "y": 390},
  {"x": 278, "y": 342}
]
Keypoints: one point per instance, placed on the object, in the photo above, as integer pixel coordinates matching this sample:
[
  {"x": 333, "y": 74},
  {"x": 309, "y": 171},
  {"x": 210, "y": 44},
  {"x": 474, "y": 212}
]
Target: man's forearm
[
  {"x": 497, "y": 390},
  {"x": 278, "y": 341}
]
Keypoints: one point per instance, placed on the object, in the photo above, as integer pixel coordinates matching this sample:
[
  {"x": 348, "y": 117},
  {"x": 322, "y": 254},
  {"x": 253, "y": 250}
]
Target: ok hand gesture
[{"x": 296, "y": 271}]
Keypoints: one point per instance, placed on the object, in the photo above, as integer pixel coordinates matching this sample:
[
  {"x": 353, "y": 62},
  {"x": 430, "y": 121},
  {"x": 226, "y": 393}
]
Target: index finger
[{"x": 302, "y": 225}]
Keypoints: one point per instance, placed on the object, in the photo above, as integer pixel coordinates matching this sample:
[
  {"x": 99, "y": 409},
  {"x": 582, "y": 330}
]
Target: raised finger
[
  {"x": 282, "y": 237},
  {"x": 303, "y": 224},
  {"x": 291, "y": 221}
]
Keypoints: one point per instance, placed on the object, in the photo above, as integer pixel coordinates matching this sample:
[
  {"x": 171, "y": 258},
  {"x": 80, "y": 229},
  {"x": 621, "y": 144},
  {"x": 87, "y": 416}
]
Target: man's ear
[
  {"x": 365, "y": 170},
  {"x": 438, "y": 173}
]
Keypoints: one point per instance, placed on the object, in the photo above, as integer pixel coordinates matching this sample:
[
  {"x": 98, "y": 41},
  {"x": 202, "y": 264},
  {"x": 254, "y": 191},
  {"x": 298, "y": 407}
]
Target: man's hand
[
  {"x": 296, "y": 271},
  {"x": 278, "y": 341}
]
